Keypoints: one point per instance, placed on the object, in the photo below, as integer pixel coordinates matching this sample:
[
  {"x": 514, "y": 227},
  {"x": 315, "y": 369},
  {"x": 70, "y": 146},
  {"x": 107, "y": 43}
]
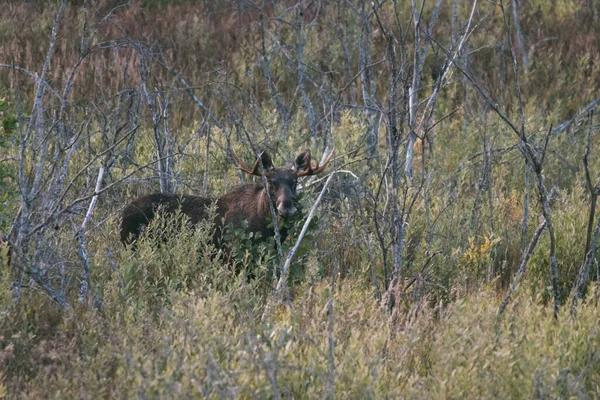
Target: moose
[{"x": 249, "y": 202}]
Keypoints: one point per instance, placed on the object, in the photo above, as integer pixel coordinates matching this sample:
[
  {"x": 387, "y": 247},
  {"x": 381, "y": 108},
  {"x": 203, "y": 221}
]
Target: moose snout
[{"x": 286, "y": 209}]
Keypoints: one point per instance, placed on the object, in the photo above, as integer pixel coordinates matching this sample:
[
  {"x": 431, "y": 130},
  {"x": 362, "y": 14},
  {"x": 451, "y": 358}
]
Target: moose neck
[
  {"x": 248, "y": 202},
  {"x": 265, "y": 201},
  {"x": 260, "y": 212}
]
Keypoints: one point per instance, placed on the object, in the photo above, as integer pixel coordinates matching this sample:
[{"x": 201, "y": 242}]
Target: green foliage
[
  {"x": 257, "y": 256},
  {"x": 173, "y": 257},
  {"x": 8, "y": 184},
  {"x": 570, "y": 246},
  {"x": 249, "y": 251}
]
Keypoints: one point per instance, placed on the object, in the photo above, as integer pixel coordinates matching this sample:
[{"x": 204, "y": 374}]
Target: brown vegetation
[{"x": 452, "y": 251}]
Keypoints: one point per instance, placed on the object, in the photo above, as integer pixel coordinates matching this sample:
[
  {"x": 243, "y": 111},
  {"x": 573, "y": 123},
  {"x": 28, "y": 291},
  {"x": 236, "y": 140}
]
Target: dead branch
[{"x": 523, "y": 267}]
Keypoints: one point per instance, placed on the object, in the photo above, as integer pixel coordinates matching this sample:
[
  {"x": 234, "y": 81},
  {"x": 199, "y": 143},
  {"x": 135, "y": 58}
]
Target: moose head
[{"x": 282, "y": 182}]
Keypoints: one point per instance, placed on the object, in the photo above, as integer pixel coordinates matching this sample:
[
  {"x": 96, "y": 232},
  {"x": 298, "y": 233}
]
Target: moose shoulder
[{"x": 248, "y": 202}]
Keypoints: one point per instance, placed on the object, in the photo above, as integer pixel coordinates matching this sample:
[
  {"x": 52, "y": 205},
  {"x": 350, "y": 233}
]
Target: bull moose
[{"x": 248, "y": 202}]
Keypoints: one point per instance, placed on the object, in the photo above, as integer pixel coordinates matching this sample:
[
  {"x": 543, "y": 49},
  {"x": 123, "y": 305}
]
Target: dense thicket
[{"x": 453, "y": 252}]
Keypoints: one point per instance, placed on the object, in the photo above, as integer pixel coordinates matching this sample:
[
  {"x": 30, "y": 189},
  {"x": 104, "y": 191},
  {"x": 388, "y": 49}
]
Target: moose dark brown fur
[{"x": 245, "y": 203}]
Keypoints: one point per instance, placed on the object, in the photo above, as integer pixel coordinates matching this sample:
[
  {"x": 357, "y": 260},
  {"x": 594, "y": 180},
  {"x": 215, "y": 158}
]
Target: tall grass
[
  {"x": 181, "y": 319},
  {"x": 213, "y": 343}
]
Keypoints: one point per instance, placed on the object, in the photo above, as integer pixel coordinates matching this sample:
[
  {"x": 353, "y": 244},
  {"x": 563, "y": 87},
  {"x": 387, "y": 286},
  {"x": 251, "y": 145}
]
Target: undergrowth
[
  {"x": 176, "y": 317},
  {"x": 210, "y": 342}
]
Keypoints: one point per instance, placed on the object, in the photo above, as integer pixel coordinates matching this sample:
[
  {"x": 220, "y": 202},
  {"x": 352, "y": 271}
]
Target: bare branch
[
  {"x": 282, "y": 283},
  {"x": 523, "y": 267}
]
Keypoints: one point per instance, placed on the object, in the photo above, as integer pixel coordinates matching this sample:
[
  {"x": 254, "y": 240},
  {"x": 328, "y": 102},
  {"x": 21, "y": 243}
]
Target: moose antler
[
  {"x": 310, "y": 171},
  {"x": 254, "y": 170}
]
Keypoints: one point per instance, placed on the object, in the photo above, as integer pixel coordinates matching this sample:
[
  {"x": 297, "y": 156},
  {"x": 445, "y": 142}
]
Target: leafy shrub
[{"x": 8, "y": 186}]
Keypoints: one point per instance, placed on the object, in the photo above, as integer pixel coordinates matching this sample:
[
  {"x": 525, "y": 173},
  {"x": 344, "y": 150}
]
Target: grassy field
[{"x": 396, "y": 289}]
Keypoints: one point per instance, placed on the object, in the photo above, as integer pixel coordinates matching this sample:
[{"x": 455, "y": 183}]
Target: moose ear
[
  {"x": 302, "y": 162},
  {"x": 266, "y": 161}
]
